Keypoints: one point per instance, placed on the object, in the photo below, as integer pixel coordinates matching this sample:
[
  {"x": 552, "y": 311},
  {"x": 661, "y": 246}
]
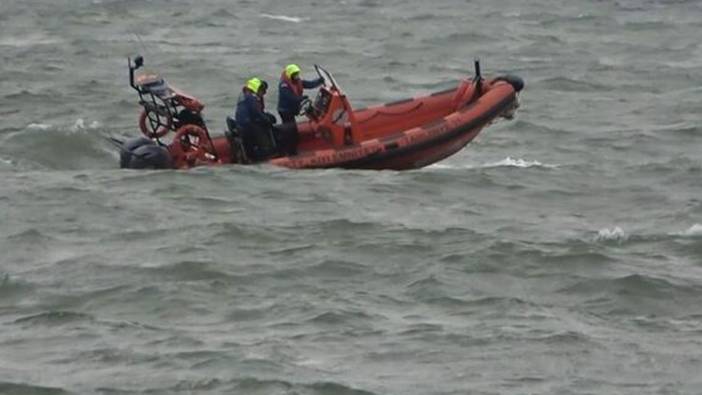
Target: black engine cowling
[
  {"x": 516, "y": 81},
  {"x": 142, "y": 153}
]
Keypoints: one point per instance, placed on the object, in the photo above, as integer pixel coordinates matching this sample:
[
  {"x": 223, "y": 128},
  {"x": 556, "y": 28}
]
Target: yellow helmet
[
  {"x": 291, "y": 69},
  {"x": 253, "y": 84}
]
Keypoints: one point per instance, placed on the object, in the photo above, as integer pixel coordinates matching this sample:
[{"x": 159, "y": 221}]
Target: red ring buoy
[
  {"x": 188, "y": 154},
  {"x": 158, "y": 133}
]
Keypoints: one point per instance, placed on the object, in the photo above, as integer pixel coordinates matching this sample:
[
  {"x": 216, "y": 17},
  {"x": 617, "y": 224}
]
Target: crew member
[
  {"x": 290, "y": 92},
  {"x": 253, "y": 122}
]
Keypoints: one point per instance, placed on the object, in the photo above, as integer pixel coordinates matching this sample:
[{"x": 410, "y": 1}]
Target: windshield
[{"x": 329, "y": 81}]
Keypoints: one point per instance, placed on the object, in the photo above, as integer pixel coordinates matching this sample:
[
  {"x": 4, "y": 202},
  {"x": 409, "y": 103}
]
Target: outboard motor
[
  {"x": 516, "y": 82},
  {"x": 142, "y": 153}
]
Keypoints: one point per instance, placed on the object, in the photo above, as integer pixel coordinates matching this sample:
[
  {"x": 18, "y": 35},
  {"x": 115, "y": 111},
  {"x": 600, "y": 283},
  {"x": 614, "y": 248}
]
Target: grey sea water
[{"x": 559, "y": 253}]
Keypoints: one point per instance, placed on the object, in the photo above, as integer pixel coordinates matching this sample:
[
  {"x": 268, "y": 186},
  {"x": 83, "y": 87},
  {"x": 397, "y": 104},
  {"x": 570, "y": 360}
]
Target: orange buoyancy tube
[{"x": 463, "y": 94}]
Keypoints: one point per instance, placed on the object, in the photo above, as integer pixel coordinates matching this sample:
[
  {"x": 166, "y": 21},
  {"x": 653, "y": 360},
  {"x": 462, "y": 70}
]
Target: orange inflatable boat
[{"x": 405, "y": 134}]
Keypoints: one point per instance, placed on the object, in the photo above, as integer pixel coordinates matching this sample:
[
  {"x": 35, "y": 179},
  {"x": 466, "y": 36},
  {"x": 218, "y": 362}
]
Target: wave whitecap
[
  {"x": 507, "y": 162},
  {"x": 510, "y": 162},
  {"x": 617, "y": 234},
  {"x": 612, "y": 234},
  {"x": 39, "y": 126},
  {"x": 78, "y": 125},
  {"x": 694, "y": 230},
  {"x": 285, "y": 18},
  {"x": 45, "y": 144}
]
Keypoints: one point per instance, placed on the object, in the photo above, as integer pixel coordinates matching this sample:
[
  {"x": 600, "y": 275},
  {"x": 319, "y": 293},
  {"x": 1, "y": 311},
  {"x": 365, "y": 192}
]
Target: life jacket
[{"x": 295, "y": 86}]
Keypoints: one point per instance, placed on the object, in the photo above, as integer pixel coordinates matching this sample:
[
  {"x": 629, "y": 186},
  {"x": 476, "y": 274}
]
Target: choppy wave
[
  {"x": 78, "y": 125},
  {"x": 39, "y": 126},
  {"x": 54, "y": 318},
  {"x": 693, "y": 231},
  {"x": 569, "y": 235},
  {"x": 521, "y": 163},
  {"x": 615, "y": 234},
  {"x": 507, "y": 162},
  {"x": 246, "y": 384},
  {"x": 618, "y": 235},
  {"x": 12, "y": 290},
  {"x": 11, "y": 388},
  {"x": 79, "y": 145},
  {"x": 284, "y": 18},
  {"x": 618, "y": 295},
  {"x": 570, "y": 84},
  {"x": 29, "y": 40}
]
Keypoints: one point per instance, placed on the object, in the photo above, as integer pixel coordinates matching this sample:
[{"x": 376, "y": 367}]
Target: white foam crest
[
  {"x": 39, "y": 126},
  {"x": 511, "y": 162},
  {"x": 6, "y": 161},
  {"x": 507, "y": 162},
  {"x": 28, "y": 40},
  {"x": 445, "y": 166},
  {"x": 613, "y": 234},
  {"x": 694, "y": 230},
  {"x": 80, "y": 125},
  {"x": 285, "y": 18}
]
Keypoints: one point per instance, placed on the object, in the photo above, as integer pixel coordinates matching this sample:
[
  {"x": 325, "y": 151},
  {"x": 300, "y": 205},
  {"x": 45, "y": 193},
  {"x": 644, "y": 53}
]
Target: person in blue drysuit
[
  {"x": 290, "y": 92},
  {"x": 254, "y": 124},
  {"x": 290, "y": 98}
]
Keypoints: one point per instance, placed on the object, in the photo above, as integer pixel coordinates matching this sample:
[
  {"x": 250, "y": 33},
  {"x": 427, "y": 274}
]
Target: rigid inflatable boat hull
[
  {"x": 418, "y": 147},
  {"x": 404, "y": 134}
]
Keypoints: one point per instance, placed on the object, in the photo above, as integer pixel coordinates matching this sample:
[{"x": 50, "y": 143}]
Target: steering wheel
[
  {"x": 192, "y": 147},
  {"x": 307, "y": 108}
]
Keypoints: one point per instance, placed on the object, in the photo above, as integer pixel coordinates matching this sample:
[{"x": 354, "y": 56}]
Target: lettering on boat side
[{"x": 338, "y": 157}]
